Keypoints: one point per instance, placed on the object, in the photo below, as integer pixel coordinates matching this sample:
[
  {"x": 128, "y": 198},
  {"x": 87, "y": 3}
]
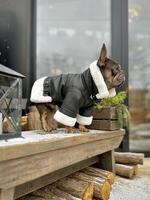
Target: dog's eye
[
  {"x": 119, "y": 67},
  {"x": 114, "y": 71}
]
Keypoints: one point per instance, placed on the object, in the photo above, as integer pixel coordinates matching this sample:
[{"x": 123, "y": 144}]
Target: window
[
  {"x": 139, "y": 72},
  {"x": 70, "y": 34}
]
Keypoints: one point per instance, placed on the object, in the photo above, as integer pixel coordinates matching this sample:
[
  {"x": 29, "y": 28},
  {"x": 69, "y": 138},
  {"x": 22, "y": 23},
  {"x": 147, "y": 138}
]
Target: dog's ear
[{"x": 103, "y": 56}]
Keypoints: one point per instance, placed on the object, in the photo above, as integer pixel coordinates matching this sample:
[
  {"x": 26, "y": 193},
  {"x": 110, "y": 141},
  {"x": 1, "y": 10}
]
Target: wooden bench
[{"x": 36, "y": 160}]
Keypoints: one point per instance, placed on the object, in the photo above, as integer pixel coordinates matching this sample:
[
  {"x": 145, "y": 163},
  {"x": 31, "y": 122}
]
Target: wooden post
[
  {"x": 106, "y": 161},
  {"x": 7, "y": 194}
]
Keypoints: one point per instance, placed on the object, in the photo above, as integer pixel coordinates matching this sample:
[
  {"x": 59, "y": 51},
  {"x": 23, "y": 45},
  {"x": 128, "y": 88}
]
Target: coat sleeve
[
  {"x": 85, "y": 115},
  {"x": 70, "y": 107}
]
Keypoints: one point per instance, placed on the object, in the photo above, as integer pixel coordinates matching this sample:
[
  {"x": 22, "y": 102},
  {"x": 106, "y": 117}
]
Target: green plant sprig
[
  {"x": 112, "y": 101},
  {"x": 118, "y": 102}
]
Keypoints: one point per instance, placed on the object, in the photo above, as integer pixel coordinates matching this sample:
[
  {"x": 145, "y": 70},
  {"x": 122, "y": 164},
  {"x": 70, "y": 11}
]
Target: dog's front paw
[
  {"x": 82, "y": 128},
  {"x": 47, "y": 128},
  {"x": 69, "y": 129}
]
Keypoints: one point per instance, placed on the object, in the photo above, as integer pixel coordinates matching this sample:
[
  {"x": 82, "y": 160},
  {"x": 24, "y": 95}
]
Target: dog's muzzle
[{"x": 119, "y": 79}]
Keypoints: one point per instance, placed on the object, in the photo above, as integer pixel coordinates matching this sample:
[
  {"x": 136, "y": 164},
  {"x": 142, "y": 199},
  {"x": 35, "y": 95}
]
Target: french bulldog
[{"x": 75, "y": 94}]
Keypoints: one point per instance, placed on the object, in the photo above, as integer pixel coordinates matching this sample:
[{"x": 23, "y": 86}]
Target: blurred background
[{"x": 50, "y": 37}]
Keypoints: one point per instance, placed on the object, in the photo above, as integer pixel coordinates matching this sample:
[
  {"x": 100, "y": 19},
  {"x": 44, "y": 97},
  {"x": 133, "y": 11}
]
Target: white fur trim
[
  {"x": 37, "y": 92},
  {"x": 64, "y": 119},
  {"x": 99, "y": 81},
  {"x": 112, "y": 92},
  {"x": 84, "y": 120}
]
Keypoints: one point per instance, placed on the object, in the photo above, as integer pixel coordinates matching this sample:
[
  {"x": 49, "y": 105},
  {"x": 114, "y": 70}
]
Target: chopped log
[
  {"x": 124, "y": 170},
  {"x": 75, "y": 187},
  {"x": 129, "y": 158},
  {"x": 135, "y": 167},
  {"x": 101, "y": 186},
  {"x": 88, "y": 193},
  {"x": 93, "y": 171},
  {"x": 30, "y": 197},
  {"x": 60, "y": 193},
  {"x": 47, "y": 195},
  {"x": 24, "y": 123},
  {"x": 34, "y": 121},
  {"x": 7, "y": 127}
]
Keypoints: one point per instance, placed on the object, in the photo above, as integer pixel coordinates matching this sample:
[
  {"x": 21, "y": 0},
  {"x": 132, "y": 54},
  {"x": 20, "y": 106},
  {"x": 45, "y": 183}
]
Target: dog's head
[{"x": 111, "y": 70}]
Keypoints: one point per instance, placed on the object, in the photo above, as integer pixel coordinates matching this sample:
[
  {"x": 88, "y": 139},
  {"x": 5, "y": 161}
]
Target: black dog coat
[{"x": 73, "y": 93}]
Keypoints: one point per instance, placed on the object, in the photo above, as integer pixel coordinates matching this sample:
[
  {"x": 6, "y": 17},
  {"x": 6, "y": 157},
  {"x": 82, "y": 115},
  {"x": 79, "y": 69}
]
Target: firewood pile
[
  {"x": 91, "y": 182},
  {"x": 87, "y": 184},
  {"x": 126, "y": 164}
]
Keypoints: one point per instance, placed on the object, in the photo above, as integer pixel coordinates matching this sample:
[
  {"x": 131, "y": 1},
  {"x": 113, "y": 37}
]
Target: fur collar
[{"x": 98, "y": 79}]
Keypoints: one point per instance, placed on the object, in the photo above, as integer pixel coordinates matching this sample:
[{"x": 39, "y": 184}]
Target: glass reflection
[
  {"x": 70, "y": 34},
  {"x": 139, "y": 74}
]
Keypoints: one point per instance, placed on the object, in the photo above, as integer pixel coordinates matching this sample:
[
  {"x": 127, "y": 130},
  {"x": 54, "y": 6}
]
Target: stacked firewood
[
  {"x": 86, "y": 184},
  {"x": 126, "y": 164},
  {"x": 89, "y": 183}
]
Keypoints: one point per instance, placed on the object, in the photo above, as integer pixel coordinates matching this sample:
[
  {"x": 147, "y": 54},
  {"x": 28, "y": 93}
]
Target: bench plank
[
  {"x": 33, "y": 143},
  {"x": 38, "y": 183},
  {"x": 21, "y": 170},
  {"x": 7, "y": 194},
  {"x": 36, "y": 160}
]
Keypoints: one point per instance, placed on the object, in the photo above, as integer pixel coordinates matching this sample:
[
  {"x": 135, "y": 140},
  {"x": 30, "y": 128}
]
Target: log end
[
  {"x": 124, "y": 170},
  {"x": 88, "y": 193},
  {"x": 106, "y": 190},
  {"x": 111, "y": 178}
]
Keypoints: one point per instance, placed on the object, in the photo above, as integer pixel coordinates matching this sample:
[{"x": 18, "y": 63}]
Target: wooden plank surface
[
  {"x": 7, "y": 194},
  {"x": 107, "y": 112},
  {"x": 33, "y": 143},
  {"x": 107, "y": 125},
  {"x": 52, "y": 177},
  {"x": 18, "y": 171}
]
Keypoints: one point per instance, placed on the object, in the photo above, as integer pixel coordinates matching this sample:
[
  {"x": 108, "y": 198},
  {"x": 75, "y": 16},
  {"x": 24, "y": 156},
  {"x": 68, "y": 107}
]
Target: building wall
[{"x": 16, "y": 42}]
